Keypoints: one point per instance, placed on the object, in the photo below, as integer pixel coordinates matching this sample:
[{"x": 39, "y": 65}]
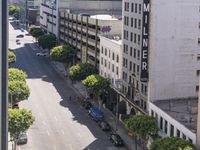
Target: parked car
[
  {"x": 116, "y": 139},
  {"x": 18, "y": 43},
  {"x": 20, "y": 36},
  {"x": 17, "y": 40},
  {"x": 41, "y": 54},
  {"x": 87, "y": 105},
  {"x": 96, "y": 113},
  {"x": 104, "y": 125},
  {"x": 23, "y": 138},
  {"x": 15, "y": 106},
  {"x": 22, "y": 30}
]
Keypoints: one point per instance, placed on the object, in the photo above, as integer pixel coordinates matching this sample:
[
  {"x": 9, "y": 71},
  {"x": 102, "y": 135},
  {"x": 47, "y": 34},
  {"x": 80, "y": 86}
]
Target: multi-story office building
[
  {"x": 51, "y": 9},
  {"x": 33, "y": 11},
  {"x": 161, "y": 58},
  {"x": 82, "y": 31}
]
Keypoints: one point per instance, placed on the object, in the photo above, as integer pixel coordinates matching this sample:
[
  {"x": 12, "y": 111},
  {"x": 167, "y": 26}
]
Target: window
[
  {"x": 102, "y": 60},
  {"x": 130, "y": 65},
  {"x": 198, "y": 72},
  {"x": 105, "y": 52},
  {"x": 102, "y": 49},
  {"x": 139, "y": 24},
  {"x": 117, "y": 71},
  {"x": 166, "y": 124},
  {"x": 171, "y": 130},
  {"x": 197, "y": 88},
  {"x": 109, "y": 53},
  {"x": 198, "y": 58},
  {"x": 135, "y": 37},
  {"x": 142, "y": 88},
  {"x": 131, "y": 22},
  {"x": 138, "y": 39},
  {"x": 135, "y": 8},
  {"x": 198, "y": 40},
  {"x": 134, "y": 67},
  {"x": 132, "y": 7},
  {"x": 140, "y": 8},
  {"x": 135, "y": 23},
  {"x": 108, "y": 65},
  {"x": 178, "y": 134},
  {"x": 127, "y": 21},
  {"x": 161, "y": 123},
  {"x": 138, "y": 55},
  {"x": 113, "y": 69},
  {"x": 123, "y": 62},
  {"x": 134, "y": 53},
  {"x": 117, "y": 59},
  {"x": 113, "y": 56},
  {"x": 190, "y": 140},
  {"x": 131, "y": 38},
  {"x": 184, "y": 137},
  {"x": 152, "y": 113},
  {"x": 105, "y": 63},
  {"x": 131, "y": 51},
  {"x": 138, "y": 69}
]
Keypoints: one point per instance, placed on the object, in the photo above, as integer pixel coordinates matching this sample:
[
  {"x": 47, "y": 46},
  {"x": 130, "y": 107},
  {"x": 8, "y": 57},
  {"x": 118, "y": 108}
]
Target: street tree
[
  {"x": 47, "y": 41},
  {"x": 14, "y": 11},
  {"x": 11, "y": 56},
  {"x": 19, "y": 121},
  {"x": 17, "y": 91},
  {"x": 171, "y": 143},
  {"x": 36, "y": 32},
  {"x": 97, "y": 84},
  {"x": 16, "y": 74},
  {"x": 79, "y": 72},
  {"x": 62, "y": 53},
  {"x": 143, "y": 126}
]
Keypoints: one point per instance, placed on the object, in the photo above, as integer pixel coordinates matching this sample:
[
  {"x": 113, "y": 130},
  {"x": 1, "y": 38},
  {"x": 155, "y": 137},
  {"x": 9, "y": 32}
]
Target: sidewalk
[{"x": 109, "y": 117}]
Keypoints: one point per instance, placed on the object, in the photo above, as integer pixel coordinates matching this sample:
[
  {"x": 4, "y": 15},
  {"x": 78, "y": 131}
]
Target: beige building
[{"x": 82, "y": 31}]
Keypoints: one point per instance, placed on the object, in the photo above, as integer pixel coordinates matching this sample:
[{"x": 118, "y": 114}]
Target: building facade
[
  {"x": 161, "y": 54},
  {"x": 51, "y": 9},
  {"x": 82, "y": 31}
]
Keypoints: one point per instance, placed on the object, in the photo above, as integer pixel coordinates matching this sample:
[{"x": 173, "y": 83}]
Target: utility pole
[{"x": 3, "y": 72}]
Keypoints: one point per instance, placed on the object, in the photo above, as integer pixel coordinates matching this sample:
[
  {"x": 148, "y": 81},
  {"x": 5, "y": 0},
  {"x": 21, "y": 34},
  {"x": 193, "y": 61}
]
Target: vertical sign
[{"x": 145, "y": 42}]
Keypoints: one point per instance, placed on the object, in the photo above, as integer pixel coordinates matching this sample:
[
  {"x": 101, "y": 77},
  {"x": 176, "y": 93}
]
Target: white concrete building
[
  {"x": 161, "y": 54},
  {"x": 49, "y": 9},
  {"x": 110, "y": 65}
]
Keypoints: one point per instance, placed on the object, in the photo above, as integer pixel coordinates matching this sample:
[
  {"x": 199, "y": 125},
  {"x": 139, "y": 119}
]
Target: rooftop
[
  {"x": 182, "y": 110},
  {"x": 116, "y": 38},
  {"x": 104, "y": 17}
]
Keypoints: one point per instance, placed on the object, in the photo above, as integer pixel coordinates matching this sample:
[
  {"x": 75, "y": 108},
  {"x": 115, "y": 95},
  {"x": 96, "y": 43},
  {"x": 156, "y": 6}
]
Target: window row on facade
[
  {"x": 132, "y": 7},
  {"x": 133, "y": 52},
  {"x": 106, "y": 52},
  {"x": 134, "y": 22},
  {"x": 135, "y": 38}
]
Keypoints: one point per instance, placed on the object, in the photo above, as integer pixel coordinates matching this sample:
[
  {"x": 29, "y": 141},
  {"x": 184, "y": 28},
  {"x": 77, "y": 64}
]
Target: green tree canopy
[
  {"x": 11, "y": 56},
  {"x": 47, "y": 41},
  {"x": 36, "y": 32},
  {"x": 14, "y": 11},
  {"x": 62, "y": 53},
  {"x": 19, "y": 121},
  {"x": 18, "y": 91},
  {"x": 81, "y": 71},
  {"x": 171, "y": 143},
  {"x": 142, "y": 125},
  {"x": 16, "y": 74}
]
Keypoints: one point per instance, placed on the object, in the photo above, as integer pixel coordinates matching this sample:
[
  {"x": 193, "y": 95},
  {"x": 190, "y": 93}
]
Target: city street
[{"x": 60, "y": 124}]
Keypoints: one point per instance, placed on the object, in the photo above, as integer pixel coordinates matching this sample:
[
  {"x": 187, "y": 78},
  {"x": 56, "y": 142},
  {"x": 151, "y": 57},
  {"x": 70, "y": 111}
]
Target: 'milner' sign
[{"x": 145, "y": 42}]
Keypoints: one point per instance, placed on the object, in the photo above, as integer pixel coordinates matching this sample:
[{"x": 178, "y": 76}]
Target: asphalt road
[{"x": 59, "y": 124}]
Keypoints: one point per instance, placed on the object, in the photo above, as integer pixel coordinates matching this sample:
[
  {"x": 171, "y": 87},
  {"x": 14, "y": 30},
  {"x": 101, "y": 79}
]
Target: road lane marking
[
  {"x": 48, "y": 133},
  {"x": 70, "y": 146},
  {"x": 62, "y": 132},
  {"x": 55, "y": 118}
]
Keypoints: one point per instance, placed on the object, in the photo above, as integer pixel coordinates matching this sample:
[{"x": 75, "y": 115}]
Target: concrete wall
[
  {"x": 171, "y": 121},
  {"x": 174, "y": 46}
]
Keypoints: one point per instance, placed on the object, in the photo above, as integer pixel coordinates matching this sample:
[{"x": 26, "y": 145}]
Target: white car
[{"x": 41, "y": 54}]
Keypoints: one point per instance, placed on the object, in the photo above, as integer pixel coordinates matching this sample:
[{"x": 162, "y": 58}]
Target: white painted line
[
  {"x": 62, "y": 132},
  {"x": 48, "y": 133},
  {"x": 79, "y": 135},
  {"x": 55, "y": 118},
  {"x": 70, "y": 146}
]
